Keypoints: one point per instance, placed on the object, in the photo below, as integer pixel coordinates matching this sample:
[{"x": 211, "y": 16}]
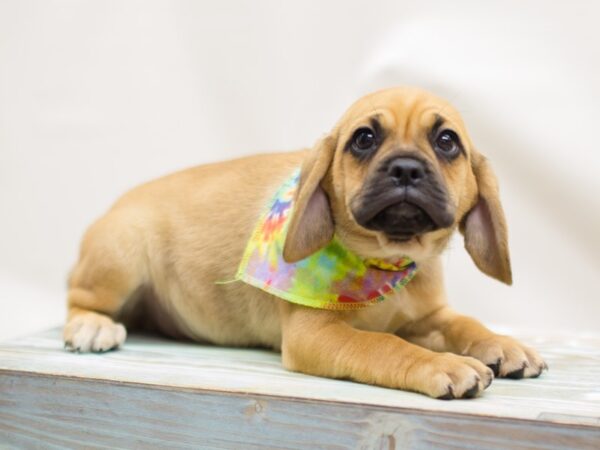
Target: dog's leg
[
  {"x": 445, "y": 330},
  {"x": 109, "y": 270},
  {"x": 319, "y": 342}
]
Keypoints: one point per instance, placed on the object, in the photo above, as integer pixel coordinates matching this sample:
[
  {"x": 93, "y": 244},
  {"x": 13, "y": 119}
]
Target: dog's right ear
[{"x": 311, "y": 225}]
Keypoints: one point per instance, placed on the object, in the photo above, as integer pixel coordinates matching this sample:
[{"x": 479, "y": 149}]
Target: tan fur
[{"x": 155, "y": 258}]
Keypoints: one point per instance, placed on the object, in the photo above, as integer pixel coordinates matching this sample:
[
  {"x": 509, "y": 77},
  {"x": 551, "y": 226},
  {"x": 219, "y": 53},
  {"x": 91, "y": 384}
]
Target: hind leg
[{"x": 109, "y": 270}]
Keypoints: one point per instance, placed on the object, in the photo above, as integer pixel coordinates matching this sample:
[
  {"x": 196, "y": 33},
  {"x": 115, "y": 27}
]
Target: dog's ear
[
  {"x": 484, "y": 226},
  {"x": 311, "y": 225}
]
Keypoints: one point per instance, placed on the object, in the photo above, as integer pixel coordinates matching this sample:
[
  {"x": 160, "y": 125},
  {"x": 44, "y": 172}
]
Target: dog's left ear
[
  {"x": 311, "y": 225},
  {"x": 484, "y": 226}
]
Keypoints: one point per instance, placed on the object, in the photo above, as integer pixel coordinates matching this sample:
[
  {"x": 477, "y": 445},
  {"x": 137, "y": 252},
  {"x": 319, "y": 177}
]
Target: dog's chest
[{"x": 391, "y": 314}]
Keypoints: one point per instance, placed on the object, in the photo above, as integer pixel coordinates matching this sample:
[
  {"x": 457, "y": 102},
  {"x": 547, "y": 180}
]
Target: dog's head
[{"x": 395, "y": 177}]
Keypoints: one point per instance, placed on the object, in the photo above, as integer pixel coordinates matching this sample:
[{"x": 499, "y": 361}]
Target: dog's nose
[{"x": 406, "y": 171}]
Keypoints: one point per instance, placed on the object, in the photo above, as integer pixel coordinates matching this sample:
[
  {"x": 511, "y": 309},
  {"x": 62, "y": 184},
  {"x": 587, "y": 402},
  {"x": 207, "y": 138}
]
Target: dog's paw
[
  {"x": 508, "y": 358},
  {"x": 448, "y": 376},
  {"x": 92, "y": 332}
]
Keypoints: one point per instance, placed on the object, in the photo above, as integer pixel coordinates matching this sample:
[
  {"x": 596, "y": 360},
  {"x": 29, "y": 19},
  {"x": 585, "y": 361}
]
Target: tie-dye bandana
[{"x": 332, "y": 278}]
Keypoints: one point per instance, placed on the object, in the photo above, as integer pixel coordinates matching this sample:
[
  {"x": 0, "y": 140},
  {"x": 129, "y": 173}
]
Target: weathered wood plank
[
  {"x": 568, "y": 393},
  {"x": 158, "y": 393},
  {"x": 53, "y": 412}
]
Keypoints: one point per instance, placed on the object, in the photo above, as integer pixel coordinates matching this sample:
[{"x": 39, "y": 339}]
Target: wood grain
[{"x": 157, "y": 393}]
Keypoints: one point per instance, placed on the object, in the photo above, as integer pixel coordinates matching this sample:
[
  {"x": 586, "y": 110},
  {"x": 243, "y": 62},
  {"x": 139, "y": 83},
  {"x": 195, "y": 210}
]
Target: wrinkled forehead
[{"x": 403, "y": 111}]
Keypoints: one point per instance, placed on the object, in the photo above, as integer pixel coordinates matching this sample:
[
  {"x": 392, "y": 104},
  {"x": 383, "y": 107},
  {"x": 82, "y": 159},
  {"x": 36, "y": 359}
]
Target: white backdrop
[{"x": 98, "y": 96}]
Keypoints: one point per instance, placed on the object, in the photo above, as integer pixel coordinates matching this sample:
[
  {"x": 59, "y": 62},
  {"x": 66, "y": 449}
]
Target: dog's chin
[{"x": 402, "y": 223}]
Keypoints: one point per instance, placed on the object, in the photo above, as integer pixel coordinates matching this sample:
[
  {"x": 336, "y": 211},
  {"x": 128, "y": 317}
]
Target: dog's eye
[
  {"x": 448, "y": 143},
  {"x": 364, "y": 140}
]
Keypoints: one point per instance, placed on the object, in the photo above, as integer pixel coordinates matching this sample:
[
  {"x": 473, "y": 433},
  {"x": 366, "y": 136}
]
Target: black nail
[
  {"x": 448, "y": 395},
  {"x": 472, "y": 391},
  {"x": 495, "y": 367},
  {"x": 517, "y": 374}
]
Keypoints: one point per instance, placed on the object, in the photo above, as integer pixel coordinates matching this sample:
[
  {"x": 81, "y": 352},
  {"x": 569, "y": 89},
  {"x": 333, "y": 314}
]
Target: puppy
[{"x": 391, "y": 182}]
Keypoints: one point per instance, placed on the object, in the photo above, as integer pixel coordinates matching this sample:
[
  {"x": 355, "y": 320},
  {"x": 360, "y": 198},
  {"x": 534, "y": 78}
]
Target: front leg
[
  {"x": 322, "y": 343},
  {"x": 445, "y": 330}
]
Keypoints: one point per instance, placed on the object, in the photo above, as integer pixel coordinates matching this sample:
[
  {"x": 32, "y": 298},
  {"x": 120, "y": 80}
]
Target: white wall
[{"x": 97, "y": 96}]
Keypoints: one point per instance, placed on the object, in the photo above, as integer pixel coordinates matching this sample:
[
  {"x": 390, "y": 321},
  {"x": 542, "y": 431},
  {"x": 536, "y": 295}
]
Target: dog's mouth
[
  {"x": 402, "y": 221},
  {"x": 403, "y": 213}
]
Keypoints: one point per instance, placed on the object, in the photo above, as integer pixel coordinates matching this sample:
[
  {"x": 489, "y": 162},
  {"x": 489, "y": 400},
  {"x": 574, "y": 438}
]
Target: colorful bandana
[{"x": 332, "y": 278}]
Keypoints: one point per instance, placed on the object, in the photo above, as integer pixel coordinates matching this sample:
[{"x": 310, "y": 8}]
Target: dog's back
[{"x": 158, "y": 253}]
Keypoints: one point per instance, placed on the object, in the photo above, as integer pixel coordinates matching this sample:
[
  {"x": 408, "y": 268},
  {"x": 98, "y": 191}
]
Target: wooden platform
[{"x": 156, "y": 393}]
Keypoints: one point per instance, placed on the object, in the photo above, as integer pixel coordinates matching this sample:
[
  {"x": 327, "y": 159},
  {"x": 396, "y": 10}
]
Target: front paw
[
  {"x": 448, "y": 376},
  {"x": 507, "y": 357}
]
